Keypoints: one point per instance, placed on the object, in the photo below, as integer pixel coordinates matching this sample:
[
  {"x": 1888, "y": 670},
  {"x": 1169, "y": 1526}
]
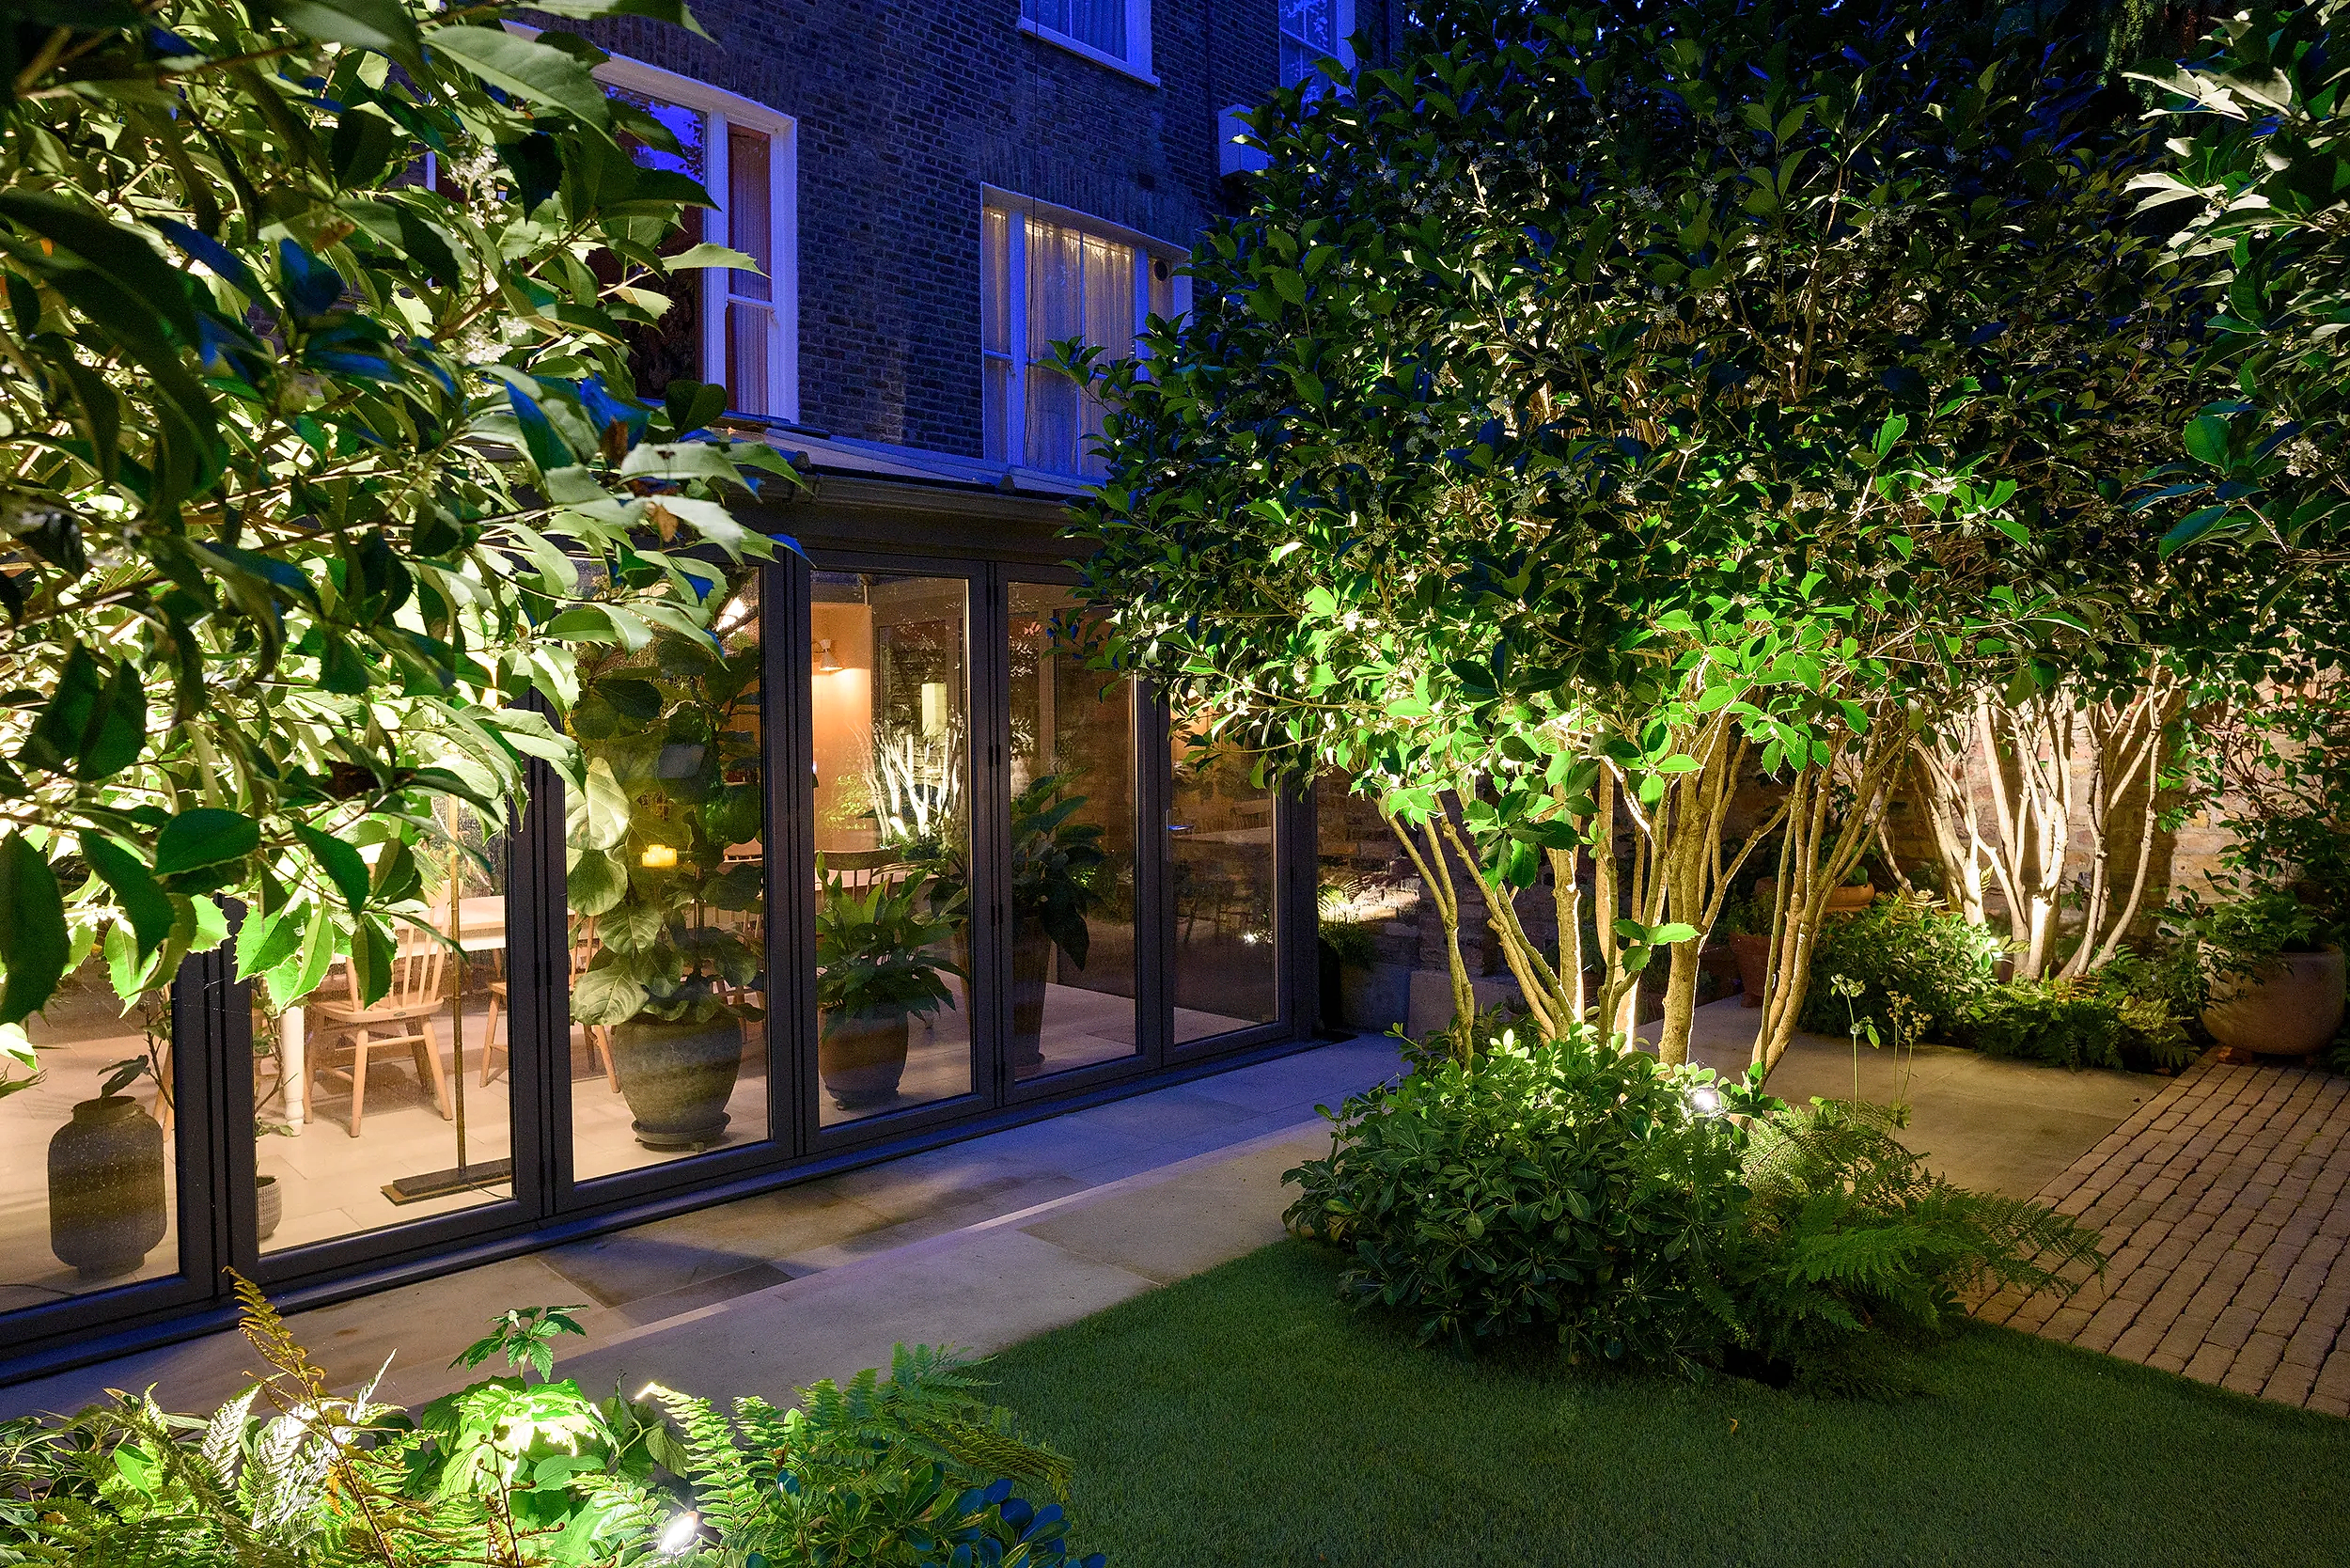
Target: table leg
[{"x": 292, "y": 1062}]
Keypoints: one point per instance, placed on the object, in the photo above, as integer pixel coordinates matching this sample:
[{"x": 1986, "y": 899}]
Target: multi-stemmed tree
[{"x": 1609, "y": 401}]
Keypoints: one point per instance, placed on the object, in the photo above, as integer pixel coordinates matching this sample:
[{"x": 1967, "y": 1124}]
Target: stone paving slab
[{"x": 2225, "y": 1219}]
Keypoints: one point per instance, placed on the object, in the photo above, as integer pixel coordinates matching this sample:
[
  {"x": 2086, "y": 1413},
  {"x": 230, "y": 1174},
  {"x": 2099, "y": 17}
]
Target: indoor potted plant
[
  {"x": 1057, "y": 872},
  {"x": 673, "y": 783},
  {"x": 875, "y": 971},
  {"x": 106, "y": 1198},
  {"x": 2276, "y": 988}
]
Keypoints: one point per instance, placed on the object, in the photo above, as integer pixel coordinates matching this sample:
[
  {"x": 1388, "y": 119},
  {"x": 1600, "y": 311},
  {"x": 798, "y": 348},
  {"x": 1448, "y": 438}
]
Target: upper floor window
[
  {"x": 1312, "y": 29},
  {"x": 1048, "y": 276},
  {"x": 1115, "y": 32},
  {"x": 731, "y": 325}
]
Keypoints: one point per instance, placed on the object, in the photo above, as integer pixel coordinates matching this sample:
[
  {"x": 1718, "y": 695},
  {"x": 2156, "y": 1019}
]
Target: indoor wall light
[
  {"x": 825, "y": 663},
  {"x": 658, "y": 858}
]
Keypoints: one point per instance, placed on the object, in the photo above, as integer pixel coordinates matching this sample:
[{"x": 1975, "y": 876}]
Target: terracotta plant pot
[
  {"x": 677, "y": 1078},
  {"x": 269, "y": 1206},
  {"x": 106, "y": 1203},
  {"x": 1754, "y": 963},
  {"x": 1031, "y": 963},
  {"x": 861, "y": 1057},
  {"x": 1840, "y": 900},
  {"x": 2291, "y": 1010}
]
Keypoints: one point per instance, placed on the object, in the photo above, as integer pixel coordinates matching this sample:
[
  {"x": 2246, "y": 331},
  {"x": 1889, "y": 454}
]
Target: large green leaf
[
  {"x": 343, "y": 863},
  {"x": 596, "y": 815},
  {"x": 604, "y": 995},
  {"x": 526, "y": 68},
  {"x": 595, "y": 882},
  {"x": 34, "y": 943},
  {"x": 204, "y": 836},
  {"x": 142, "y": 897},
  {"x": 383, "y": 25}
]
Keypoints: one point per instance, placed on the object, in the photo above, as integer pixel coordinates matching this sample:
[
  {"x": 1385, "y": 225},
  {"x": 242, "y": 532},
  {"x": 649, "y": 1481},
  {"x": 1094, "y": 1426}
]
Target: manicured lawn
[{"x": 1242, "y": 1417}]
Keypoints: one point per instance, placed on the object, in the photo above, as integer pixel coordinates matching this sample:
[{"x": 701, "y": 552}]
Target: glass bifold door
[{"x": 885, "y": 850}]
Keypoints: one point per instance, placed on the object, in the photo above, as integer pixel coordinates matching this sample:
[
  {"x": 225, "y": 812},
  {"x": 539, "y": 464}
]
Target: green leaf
[
  {"x": 142, "y": 899},
  {"x": 204, "y": 836},
  {"x": 371, "y": 954},
  {"x": 708, "y": 255},
  {"x": 605, "y": 995},
  {"x": 266, "y": 941},
  {"x": 527, "y": 68},
  {"x": 297, "y": 976},
  {"x": 2206, "y": 439},
  {"x": 383, "y": 25},
  {"x": 343, "y": 865},
  {"x": 34, "y": 943},
  {"x": 596, "y": 816},
  {"x": 595, "y": 883}
]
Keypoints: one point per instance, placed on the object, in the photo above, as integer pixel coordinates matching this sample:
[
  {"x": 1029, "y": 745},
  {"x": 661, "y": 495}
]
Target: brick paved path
[{"x": 2223, "y": 1208}]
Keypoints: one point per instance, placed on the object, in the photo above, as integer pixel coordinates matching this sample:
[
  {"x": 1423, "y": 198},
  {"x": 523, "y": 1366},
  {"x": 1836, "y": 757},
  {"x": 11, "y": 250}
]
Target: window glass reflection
[
  {"x": 665, "y": 884},
  {"x": 1219, "y": 831},
  {"x": 888, "y": 682},
  {"x": 1072, "y": 844}
]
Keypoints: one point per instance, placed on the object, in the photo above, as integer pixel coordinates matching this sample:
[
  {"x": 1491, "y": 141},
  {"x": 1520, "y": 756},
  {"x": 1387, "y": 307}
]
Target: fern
[{"x": 1852, "y": 1247}]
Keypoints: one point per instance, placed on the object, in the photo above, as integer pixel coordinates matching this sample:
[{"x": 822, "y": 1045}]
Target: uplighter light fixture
[
  {"x": 825, "y": 663},
  {"x": 658, "y": 858}
]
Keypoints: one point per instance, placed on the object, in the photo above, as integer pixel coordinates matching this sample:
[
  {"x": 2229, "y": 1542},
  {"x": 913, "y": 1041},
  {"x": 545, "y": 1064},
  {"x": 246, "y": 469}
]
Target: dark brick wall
[{"x": 905, "y": 108}]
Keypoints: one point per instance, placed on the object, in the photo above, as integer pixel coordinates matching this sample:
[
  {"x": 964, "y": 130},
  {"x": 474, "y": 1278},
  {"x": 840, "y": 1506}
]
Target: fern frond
[{"x": 726, "y": 1489}]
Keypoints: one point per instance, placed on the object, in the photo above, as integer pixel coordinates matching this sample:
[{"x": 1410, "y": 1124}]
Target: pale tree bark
[
  {"x": 1446, "y": 898},
  {"x": 2129, "y": 741},
  {"x": 1816, "y": 854}
]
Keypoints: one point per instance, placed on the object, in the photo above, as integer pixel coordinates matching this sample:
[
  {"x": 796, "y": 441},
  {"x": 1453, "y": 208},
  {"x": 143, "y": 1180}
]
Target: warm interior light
[
  {"x": 934, "y": 708},
  {"x": 658, "y": 858},
  {"x": 825, "y": 663}
]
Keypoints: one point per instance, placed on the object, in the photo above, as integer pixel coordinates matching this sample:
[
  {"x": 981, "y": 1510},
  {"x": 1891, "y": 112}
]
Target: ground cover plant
[
  {"x": 525, "y": 1469},
  {"x": 1639, "y": 1214},
  {"x": 1279, "y": 1426}
]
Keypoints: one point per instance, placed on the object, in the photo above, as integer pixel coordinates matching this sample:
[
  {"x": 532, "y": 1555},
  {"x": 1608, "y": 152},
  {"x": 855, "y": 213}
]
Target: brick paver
[{"x": 2223, "y": 1209}]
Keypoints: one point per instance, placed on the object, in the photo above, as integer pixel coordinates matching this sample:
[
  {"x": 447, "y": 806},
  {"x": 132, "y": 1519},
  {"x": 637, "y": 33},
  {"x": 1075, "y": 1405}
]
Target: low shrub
[
  {"x": 1850, "y": 1251},
  {"x": 1550, "y": 1184},
  {"x": 1902, "y": 946},
  {"x": 2067, "y": 1022},
  {"x": 1659, "y": 1217},
  {"x": 520, "y": 1471}
]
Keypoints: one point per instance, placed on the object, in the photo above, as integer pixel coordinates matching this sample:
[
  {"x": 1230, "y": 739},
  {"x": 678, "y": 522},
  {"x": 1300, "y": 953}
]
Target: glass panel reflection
[
  {"x": 91, "y": 1197},
  {"x": 1072, "y": 844},
  {"x": 1219, "y": 829},
  {"x": 889, "y": 699},
  {"x": 362, "y": 1112},
  {"x": 665, "y": 884}
]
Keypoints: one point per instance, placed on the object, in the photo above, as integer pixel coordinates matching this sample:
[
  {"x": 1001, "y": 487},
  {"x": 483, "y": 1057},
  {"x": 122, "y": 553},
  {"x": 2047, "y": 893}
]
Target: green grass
[{"x": 1244, "y": 1418}]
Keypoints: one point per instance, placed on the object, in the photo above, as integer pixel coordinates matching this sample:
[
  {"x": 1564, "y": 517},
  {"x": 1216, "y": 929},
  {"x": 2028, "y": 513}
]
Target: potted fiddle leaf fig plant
[
  {"x": 1057, "y": 870},
  {"x": 875, "y": 970},
  {"x": 672, "y": 784}
]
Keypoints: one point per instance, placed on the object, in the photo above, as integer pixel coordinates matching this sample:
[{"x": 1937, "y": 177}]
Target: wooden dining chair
[
  {"x": 403, "y": 1018},
  {"x": 599, "y": 1036}
]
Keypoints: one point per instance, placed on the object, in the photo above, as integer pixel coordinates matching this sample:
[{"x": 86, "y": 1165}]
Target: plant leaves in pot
[
  {"x": 1057, "y": 871},
  {"x": 875, "y": 969}
]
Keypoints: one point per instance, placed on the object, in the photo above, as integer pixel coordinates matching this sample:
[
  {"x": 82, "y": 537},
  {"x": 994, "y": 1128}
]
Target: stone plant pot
[
  {"x": 860, "y": 1056},
  {"x": 1754, "y": 966},
  {"x": 2291, "y": 1010},
  {"x": 1373, "y": 998},
  {"x": 106, "y": 1204},
  {"x": 1031, "y": 966},
  {"x": 269, "y": 1206},
  {"x": 677, "y": 1076}
]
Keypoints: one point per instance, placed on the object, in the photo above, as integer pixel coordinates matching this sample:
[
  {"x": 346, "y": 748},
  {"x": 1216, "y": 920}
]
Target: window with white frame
[
  {"x": 1117, "y": 32},
  {"x": 731, "y": 325},
  {"x": 1312, "y": 29},
  {"x": 1047, "y": 276}
]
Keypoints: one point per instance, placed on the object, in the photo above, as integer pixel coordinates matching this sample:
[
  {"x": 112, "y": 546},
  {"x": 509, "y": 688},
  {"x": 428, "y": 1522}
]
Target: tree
[
  {"x": 1610, "y": 400},
  {"x": 323, "y": 458}
]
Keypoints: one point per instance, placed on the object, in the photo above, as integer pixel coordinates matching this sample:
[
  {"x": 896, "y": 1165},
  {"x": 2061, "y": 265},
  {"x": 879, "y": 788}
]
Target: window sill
[{"x": 1087, "y": 52}]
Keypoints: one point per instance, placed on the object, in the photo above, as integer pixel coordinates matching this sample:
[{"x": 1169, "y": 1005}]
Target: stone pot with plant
[
  {"x": 876, "y": 970},
  {"x": 107, "y": 1206},
  {"x": 673, "y": 783},
  {"x": 2276, "y": 988}
]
